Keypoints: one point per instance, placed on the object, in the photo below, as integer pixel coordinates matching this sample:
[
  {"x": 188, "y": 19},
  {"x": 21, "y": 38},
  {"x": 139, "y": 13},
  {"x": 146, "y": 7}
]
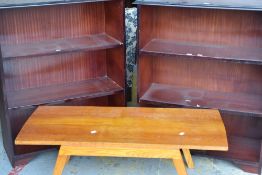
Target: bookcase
[
  {"x": 58, "y": 53},
  {"x": 206, "y": 54}
]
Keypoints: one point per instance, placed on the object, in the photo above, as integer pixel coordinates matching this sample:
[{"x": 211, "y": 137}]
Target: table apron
[{"x": 119, "y": 152}]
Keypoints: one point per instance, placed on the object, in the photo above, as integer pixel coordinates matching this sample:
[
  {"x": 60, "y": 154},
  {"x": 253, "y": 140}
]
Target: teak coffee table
[{"x": 125, "y": 132}]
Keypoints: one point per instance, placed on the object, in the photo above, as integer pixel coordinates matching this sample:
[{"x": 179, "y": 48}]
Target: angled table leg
[
  {"x": 61, "y": 161},
  {"x": 188, "y": 158},
  {"x": 179, "y": 164}
]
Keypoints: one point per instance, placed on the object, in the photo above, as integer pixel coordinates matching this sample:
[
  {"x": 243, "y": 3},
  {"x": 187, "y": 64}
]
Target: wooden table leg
[
  {"x": 61, "y": 161},
  {"x": 188, "y": 158},
  {"x": 179, "y": 164},
  {"x": 67, "y": 160}
]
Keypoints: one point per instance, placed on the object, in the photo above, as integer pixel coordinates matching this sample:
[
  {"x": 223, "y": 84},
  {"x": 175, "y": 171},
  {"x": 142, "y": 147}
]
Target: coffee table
[{"x": 125, "y": 132}]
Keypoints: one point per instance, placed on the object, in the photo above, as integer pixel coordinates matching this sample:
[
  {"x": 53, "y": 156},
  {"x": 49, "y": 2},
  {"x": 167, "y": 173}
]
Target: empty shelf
[
  {"x": 200, "y": 50},
  {"x": 85, "y": 43},
  {"x": 98, "y": 87},
  {"x": 192, "y": 97}
]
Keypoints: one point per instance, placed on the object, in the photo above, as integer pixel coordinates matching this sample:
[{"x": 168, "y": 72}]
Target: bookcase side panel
[
  {"x": 146, "y": 32},
  {"x": 115, "y": 27}
]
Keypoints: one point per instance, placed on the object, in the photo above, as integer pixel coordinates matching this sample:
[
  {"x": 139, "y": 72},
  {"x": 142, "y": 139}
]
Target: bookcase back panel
[
  {"x": 210, "y": 26},
  {"x": 32, "y": 72},
  {"x": 114, "y": 19},
  {"x": 29, "y": 24},
  {"x": 145, "y": 25},
  {"x": 209, "y": 74},
  {"x": 238, "y": 124}
]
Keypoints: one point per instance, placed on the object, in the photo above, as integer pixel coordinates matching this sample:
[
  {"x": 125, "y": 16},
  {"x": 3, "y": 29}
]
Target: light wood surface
[
  {"x": 158, "y": 128},
  {"x": 67, "y": 151},
  {"x": 179, "y": 164},
  {"x": 125, "y": 132},
  {"x": 60, "y": 164},
  {"x": 119, "y": 152},
  {"x": 188, "y": 158}
]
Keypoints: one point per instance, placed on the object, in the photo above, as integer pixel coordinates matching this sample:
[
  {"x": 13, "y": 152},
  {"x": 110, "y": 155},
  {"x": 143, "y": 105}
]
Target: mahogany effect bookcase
[
  {"x": 58, "y": 53},
  {"x": 206, "y": 54}
]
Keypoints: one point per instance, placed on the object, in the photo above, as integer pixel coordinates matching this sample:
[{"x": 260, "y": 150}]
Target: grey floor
[{"x": 44, "y": 164}]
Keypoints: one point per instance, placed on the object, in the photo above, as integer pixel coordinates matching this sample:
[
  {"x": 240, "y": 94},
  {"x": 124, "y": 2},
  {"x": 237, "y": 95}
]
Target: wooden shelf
[
  {"x": 200, "y": 50},
  {"x": 192, "y": 97},
  {"x": 214, "y": 4},
  {"x": 98, "y": 87},
  {"x": 14, "y": 4},
  {"x": 242, "y": 148},
  {"x": 85, "y": 43}
]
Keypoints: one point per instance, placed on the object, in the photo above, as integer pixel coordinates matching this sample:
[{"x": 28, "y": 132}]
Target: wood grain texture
[
  {"x": 25, "y": 25},
  {"x": 102, "y": 86},
  {"x": 40, "y": 3},
  {"x": 188, "y": 158},
  {"x": 211, "y": 75},
  {"x": 115, "y": 22},
  {"x": 51, "y": 27},
  {"x": 138, "y": 127},
  {"x": 118, "y": 152},
  {"x": 34, "y": 72},
  {"x": 241, "y": 148},
  {"x": 180, "y": 166},
  {"x": 238, "y": 124},
  {"x": 201, "y": 98},
  {"x": 216, "y": 4},
  {"x": 17, "y": 118},
  {"x": 49, "y": 47},
  {"x": 208, "y": 48},
  {"x": 203, "y": 51},
  {"x": 66, "y": 151},
  {"x": 60, "y": 164},
  {"x": 209, "y": 26}
]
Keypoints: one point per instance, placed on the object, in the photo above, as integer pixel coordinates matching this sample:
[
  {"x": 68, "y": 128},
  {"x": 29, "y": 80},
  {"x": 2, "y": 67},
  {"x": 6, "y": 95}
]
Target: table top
[{"x": 167, "y": 128}]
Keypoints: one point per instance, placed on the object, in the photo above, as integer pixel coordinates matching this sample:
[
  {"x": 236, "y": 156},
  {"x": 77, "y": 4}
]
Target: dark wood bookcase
[
  {"x": 58, "y": 53},
  {"x": 206, "y": 54}
]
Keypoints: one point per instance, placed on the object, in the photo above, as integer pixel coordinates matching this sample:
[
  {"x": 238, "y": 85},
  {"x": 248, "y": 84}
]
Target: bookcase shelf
[
  {"x": 94, "y": 88},
  {"x": 201, "y": 50},
  {"x": 41, "y": 3},
  {"x": 206, "y": 54},
  {"x": 85, "y": 43},
  {"x": 58, "y": 52},
  {"x": 212, "y": 4},
  {"x": 200, "y": 98}
]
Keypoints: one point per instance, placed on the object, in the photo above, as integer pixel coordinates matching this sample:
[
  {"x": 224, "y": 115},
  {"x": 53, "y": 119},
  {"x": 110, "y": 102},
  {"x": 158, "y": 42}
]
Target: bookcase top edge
[
  {"x": 253, "y": 5},
  {"x": 39, "y": 3}
]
